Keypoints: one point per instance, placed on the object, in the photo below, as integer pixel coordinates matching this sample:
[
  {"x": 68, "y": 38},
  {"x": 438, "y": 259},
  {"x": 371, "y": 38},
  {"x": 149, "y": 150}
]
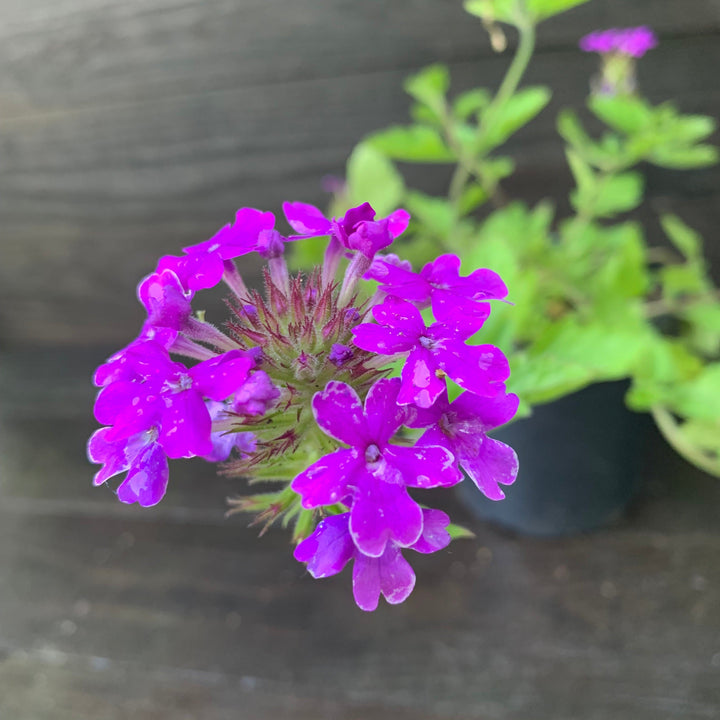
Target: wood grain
[{"x": 130, "y": 129}]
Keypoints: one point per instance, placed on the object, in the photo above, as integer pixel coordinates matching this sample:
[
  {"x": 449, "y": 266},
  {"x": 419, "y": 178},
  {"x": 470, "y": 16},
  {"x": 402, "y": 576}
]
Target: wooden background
[{"x": 129, "y": 128}]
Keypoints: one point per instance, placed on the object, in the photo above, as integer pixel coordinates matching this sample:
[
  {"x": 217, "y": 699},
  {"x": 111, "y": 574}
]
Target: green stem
[
  {"x": 673, "y": 434},
  {"x": 469, "y": 167}
]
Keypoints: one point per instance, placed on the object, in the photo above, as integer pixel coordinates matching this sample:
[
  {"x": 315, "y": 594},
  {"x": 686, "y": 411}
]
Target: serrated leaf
[
  {"x": 412, "y": 143},
  {"x": 614, "y": 194},
  {"x": 683, "y": 237},
  {"x": 372, "y": 178}
]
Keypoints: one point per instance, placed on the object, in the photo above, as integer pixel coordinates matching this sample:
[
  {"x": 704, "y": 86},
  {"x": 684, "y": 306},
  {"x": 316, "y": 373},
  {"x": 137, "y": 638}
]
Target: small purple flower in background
[
  {"x": 293, "y": 389},
  {"x": 633, "y": 42}
]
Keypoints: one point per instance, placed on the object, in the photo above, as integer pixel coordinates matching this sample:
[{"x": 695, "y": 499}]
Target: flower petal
[
  {"x": 482, "y": 369},
  {"x": 306, "y": 219},
  {"x": 185, "y": 425},
  {"x": 424, "y": 467},
  {"x": 382, "y": 340},
  {"x": 147, "y": 480},
  {"x": 339, "y": 413},
  {"x": 382, "y": 512},
  {"x": 383, "y": 414},
  {"x": 420, "y": 382},
  {"x": 495, "y": 464},
  {"x": 328, "y": 549},
  {"x": 434, "y": 535},
  {"x": 221, "y": 376},
  {"x": 326, "y": 481}
]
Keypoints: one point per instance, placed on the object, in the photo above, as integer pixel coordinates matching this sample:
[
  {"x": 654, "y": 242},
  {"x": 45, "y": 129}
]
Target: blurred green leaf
[
  {"x": 470, "y": 102},
  {"x": 412, "y": 143},
  {"x": 429, "y": 86},
  {"x": 683, "y": 237},
  {"x": 681, "y": 280},
  {"x": 458, "y": 532},
  {"x": 435, "y": 214},
  {"x": 473, "y": 196},
  {"x": 517, "y": 111},
  {"x": 610, "y": 195},
  {"x": 627, "y": 113},
  {"x": 372, "y": 178},
  {"x": 515, "y": 11},
  {"x": 683, "y": 158},
  {"x": 698, "y": 398},
  {"x": 543, "y": 9},
  {"x": 693, "y": 128}
]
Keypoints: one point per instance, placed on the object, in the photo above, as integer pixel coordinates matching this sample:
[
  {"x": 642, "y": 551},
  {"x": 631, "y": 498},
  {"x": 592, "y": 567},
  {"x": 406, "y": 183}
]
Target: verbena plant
[{"x": 592, "y": 301}]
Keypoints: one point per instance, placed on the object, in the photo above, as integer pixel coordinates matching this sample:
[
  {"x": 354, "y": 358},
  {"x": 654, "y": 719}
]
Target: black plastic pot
[{"x": 579, "y": 460}]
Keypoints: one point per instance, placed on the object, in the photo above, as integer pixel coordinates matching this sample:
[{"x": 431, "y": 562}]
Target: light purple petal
[
  {"x": 382, "y": 512},
  {"x": 420, "y": 382},
  {"x": 147, "y": 480},
  {"x": 185, "y": 425},
  {"x": 434, "y": 535},
  {"x": 130, "y": 406},
  {"x": 495, "y": 464},
  {"x": 400, "y": 282},
  {"x": 223, "y": 375},
  {"x": 383, "y": 414},
  {"x": 110, "y": 454},
  {"x": 256, "y": 395},
  {"x": 339, "y": 413},
  {"x": 328, "y": 549},
  {"x": 485, "y": 413},
  {"x": 366, "y": 582},
  {"x": 326, "y": 481},
  {"x": 424, "y": 467}
]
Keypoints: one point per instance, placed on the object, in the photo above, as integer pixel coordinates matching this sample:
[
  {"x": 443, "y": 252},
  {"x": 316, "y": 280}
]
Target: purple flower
[
  {"x": 331, "y": 547},
  {"x": 339, "y": 354},
  {"x": 256, "y": 395},
  {"x": 238, "y": 238},
  {"x": 198, "y": 271},
  {"x": 223, "y": 441},
  {"x": 356, "y": 230},
  {"x": 140, "y": 455},
  {"x": 633, "y": 42},
  {"x": 462, "y": 426},
  {"x": 439, "y": 283},
  {"x": 171, "y": 397},
  {"x": 371, "y": 476},
  {"x": 166, "y": 300},
  {"x": 433, "y": 352}
]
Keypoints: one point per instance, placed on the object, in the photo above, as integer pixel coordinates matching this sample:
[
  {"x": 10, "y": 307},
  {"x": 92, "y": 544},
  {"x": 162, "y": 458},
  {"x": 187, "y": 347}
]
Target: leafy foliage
[{"x": 590, "y": 301}]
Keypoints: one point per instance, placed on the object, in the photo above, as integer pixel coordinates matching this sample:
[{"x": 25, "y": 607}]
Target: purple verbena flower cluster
[
  {"x": 297, "y": 388},
  {"x": 632, "y": 42}
]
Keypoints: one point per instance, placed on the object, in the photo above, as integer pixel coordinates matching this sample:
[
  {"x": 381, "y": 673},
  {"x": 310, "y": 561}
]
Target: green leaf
[
  {"x": 683, "y": 158},
  {"x": 684, "y": 238},
  {"x": 699, "y": 398},
  {"x": 513, "y": 12},
  {"x": 693, "y": 128},
  {"x": 627, "y": 113},
  {"x": 680, "y": 280},
  {"x": 516, "y": 112},
  {"x": 582, "y": 173},
  {"x": 543, "y": 9},
  {"x": 571, "y": 129},
  {"x": 458, "y": 532},
  {"x": 430, "y": 86},
  {"x": 411, "y": 143},
  {"x": 609, "y": 196},
  {"x": 470, "y": 102},
  {"x": 473, "y": 196},
  {"x": 435, "y": 214},
  {"x": 372, "y": 178}
]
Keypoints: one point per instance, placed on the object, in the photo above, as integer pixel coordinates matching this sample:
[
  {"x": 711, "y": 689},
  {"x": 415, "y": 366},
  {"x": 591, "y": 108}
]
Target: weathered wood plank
[{"x": 55, "y": 56}]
